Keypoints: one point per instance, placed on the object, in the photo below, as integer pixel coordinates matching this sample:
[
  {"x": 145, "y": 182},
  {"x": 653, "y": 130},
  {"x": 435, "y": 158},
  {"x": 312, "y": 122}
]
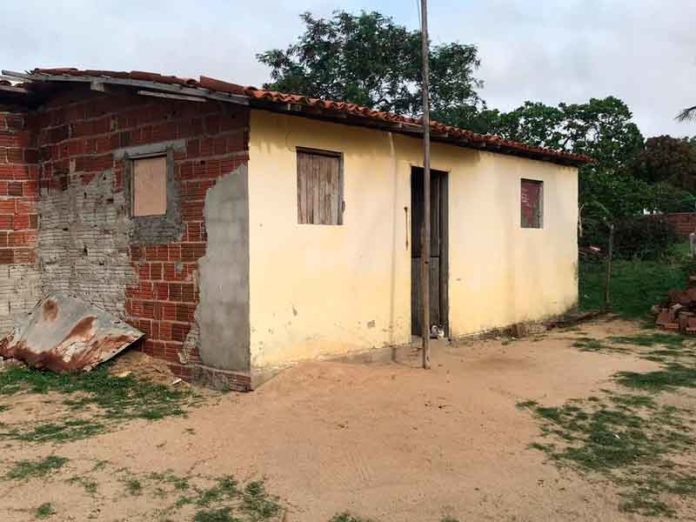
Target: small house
[{"x": 244, "y": 230}]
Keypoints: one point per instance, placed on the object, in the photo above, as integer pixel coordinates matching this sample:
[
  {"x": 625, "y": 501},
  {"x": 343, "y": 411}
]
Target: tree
[
  {"x": 369, "y": 60},
  {"x": 601, "y": 128},
  {"x": 687, "y": 114},
  {"x": 667, "y": 159}
]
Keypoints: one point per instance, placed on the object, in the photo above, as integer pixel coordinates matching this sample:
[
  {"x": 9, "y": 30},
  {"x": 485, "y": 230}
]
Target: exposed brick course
[
  {"x": 684, "y": 223},
  {"x": 19, "y": 279},
  {"x": 63, "y": 169}
]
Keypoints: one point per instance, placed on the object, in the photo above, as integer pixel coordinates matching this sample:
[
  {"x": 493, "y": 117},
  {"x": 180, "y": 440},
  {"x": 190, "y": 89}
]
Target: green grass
[
  {"x": 90, "y": 485},
  {"x": 179, "y": 483},
  {"x": 630, "y": 438},
  {"x": 590, "y": 345},
  {"x": 56, "y": 431},
  {"x": 27, "y": 469},
  {"x": 120, "y": 397},
  {"x": 105, "y": 399},
  {"x": 257, "y": 503},
  {"x": 134, "y": 486},
  {"x": 635, "y": 285},
  {"x": 651, "y": 339},
  {"x": 45, "y": 510},
  {"x": 215, "y": 515},
  {"x": 671, "y": 376},
  {"x": 346, "y": 516},
  {"x": 225, "y": 497}
]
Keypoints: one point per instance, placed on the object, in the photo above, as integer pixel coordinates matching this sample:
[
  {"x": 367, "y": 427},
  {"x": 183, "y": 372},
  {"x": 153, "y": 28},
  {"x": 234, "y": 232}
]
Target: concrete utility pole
[{"x": 425, "y": 236}]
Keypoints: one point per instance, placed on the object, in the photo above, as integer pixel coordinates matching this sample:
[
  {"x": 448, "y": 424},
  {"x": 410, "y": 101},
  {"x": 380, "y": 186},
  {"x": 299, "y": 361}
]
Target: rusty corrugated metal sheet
[
  {"x": 467, "y": 137},
  {"x": 66, "y": 334}
]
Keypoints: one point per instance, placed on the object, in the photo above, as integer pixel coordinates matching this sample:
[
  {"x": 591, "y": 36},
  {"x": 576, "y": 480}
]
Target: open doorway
[{"x": 439, "y": 269}]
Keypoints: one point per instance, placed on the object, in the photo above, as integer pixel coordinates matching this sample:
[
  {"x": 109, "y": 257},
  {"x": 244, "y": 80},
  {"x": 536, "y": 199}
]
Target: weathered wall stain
[{"x": 83, "y": 242}]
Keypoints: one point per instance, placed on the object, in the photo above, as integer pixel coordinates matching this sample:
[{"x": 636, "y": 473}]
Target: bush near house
[
  {"x": 635, "y": 237},
  {"x": 636, "y": 284}
]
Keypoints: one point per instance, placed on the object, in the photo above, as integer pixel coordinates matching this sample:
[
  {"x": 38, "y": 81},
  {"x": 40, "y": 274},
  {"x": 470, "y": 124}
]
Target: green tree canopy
[
  {"x": 601, "y": 128},
  {"x": 369, "y": 60},
  {"x": 667, "y": 159}
]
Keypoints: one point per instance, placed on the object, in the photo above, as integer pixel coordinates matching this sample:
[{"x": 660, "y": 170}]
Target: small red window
[{"x": 532, "y": 203}]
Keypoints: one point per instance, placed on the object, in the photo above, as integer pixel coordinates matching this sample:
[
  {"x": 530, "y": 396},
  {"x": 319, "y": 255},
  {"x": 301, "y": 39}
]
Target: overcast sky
[{"x": 643, "y": 51}]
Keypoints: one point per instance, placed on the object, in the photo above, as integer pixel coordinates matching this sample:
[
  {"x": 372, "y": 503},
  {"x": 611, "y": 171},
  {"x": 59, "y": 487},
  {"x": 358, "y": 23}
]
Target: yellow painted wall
[
  {"x": 501, "y": 273},
  {"x": 318, "y": 290}
]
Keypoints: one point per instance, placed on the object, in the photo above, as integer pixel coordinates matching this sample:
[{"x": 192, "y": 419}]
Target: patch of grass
[
  {"x": 68, "y": 430},
  {"x": 632, "y": 401},
  {"x": 523, "y": 405},
  {"x": 671, "y": 376},
  {"x": 651, "y": 339},
  {"x": 179, "y": 483},
  {"x": 635, "y": 285},
  {"x": 348, "y": 517},
  {"x": 45, "y": 510},
  {"x": 134, "y": 486},
  {"x": 590, "y": 345},
  {"x": 90, "y": 486},
  {"x": 120, "y": 397},
  {"x": 27, "y": 469},
  {"x": 643, "y": 501},
  {"x": 215, "y": 515},
  {"x": 251, "y": 503},
  {"x": 258, "y": 503},
  {"x": 225, "y": 488},
  {"x": 627, "y": 437},
  {"x": 107, "y": 399}
]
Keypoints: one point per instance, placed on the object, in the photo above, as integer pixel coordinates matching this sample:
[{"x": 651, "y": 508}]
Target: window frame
[
  {"x": 153, "y": 229},
  {"x": 341, "y": 202},
  {"x": 541, "y": 208},
  {"x": 133, "y": 161}
]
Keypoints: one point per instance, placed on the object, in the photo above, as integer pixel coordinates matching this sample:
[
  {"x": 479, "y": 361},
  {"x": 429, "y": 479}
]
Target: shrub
[
  {"x": 643, "y": 237},
  {"x": 635, "y": 237}
]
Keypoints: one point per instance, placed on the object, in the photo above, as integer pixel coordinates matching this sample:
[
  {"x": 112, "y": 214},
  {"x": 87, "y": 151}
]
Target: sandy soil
[{"x": 383, "y": 440}]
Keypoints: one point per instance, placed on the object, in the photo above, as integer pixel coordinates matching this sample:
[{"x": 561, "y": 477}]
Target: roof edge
[{"x": 343, "y": 112}]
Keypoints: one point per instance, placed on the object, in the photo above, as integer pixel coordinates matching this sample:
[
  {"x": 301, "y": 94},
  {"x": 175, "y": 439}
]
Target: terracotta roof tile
[{"x": 467, "y": 137}]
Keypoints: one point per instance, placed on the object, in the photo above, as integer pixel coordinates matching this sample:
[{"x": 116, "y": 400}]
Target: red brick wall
[
  {"x": 684, "y": 223},
  {"x": 79, "y": 132},
  {"x": 19, "y": 277},
  {"x": 18, "y": 189}
]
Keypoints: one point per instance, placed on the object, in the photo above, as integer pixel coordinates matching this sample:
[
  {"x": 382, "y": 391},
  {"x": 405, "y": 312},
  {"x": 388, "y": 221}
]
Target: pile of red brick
[{"x": 678, "y": 311}]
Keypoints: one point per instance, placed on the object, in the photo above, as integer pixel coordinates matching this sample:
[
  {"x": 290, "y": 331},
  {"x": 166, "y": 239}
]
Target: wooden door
[{"x": 438, "y": 248}]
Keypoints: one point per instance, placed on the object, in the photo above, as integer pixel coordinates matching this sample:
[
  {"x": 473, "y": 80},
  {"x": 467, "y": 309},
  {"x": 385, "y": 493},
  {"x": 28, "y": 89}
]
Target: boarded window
[
  {"x": 532, "y": 203},
  {"x": 319, "y": 188},
  {"x": 150, "y": 186}
]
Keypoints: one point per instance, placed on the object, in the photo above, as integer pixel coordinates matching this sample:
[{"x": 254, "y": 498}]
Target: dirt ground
[{"x": 386, "y": 441}]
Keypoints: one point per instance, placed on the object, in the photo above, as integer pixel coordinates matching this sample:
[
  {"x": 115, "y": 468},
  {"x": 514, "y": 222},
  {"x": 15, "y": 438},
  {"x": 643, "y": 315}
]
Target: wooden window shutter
[
  {"x": 532, "y": 203},
  {"x": 319, "y": 188}
]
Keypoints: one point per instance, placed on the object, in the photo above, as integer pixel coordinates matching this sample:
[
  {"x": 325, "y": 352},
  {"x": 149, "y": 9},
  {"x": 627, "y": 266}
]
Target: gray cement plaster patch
[{"x": 223, "y": 311}]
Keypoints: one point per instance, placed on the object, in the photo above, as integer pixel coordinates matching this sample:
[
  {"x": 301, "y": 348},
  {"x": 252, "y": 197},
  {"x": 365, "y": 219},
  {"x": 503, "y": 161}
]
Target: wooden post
[
  {"x": 425, "y": 244},
  {"x": 607, "y": 280}
]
